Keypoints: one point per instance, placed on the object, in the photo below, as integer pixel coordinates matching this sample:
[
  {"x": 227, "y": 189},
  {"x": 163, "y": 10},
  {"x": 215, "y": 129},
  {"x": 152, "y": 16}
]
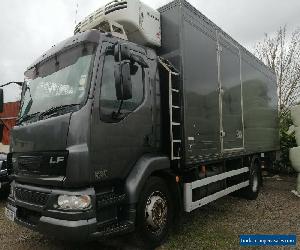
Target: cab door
[
  {"x": 119, "y": 140},
  {"x": 231, "y": 108}
]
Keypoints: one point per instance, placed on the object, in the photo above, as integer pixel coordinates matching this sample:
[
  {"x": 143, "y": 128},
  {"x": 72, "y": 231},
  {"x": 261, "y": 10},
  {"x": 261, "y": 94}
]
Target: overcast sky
[{"x": 29, "y": 28}]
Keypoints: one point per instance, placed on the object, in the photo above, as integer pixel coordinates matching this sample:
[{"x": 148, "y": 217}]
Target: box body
[{"x": 229, "y": 97}]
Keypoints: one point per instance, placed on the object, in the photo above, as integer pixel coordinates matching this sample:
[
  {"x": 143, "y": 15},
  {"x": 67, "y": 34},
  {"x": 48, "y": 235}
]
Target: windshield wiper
[
  {"x": 27, "y": 117},
  {"x": 54, "y": 110}
]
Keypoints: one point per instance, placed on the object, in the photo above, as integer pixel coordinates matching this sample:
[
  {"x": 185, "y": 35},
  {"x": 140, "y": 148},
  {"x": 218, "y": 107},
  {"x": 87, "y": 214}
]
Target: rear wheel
[
  {"x": 154, "y": 214},
  {"x": 251, "y": 192}
]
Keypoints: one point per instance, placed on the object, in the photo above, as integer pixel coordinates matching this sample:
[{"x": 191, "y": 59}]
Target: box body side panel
[
  {"x": 170, "y": 26},
  {"x": 190, "y": 42},
  {"x": 201, "y": 95},
  {"x": 260, "y": 102}
]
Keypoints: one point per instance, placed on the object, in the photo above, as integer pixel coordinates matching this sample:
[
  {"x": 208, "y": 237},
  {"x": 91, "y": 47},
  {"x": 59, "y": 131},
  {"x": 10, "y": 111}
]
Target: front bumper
[
  {"x": 80, "y": 230},
  {"x": 34, "y": 208},
  {"x": 38, "y": 213}
]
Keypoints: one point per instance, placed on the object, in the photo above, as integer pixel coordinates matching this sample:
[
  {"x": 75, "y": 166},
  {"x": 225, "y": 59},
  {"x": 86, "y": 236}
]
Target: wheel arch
[
  {"x": 146, "y": 166},
  {"x": 152, "y": 165}
]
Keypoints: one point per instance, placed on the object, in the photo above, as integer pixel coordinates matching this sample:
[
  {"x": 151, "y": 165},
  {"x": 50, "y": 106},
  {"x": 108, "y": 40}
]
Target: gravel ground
[{"x": 215, "y": 226}]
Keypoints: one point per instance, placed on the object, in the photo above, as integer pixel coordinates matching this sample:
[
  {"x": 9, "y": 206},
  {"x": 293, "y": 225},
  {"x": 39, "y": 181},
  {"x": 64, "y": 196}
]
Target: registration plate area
[{"x": 10, "y": 213}]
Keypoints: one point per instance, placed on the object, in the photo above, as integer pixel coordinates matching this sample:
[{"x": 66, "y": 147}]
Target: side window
[{"x": 108, "y": 98}]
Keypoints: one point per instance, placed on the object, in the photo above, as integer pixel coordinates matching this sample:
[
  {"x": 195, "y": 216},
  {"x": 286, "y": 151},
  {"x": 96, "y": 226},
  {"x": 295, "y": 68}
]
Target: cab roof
[{"x": 91, "y": 36}]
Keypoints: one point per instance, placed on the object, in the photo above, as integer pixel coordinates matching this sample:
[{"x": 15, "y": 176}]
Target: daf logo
[{"x": 56, "y": 160}]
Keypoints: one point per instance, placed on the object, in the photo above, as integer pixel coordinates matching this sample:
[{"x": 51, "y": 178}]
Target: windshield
[{"x": 60, "y": 81}]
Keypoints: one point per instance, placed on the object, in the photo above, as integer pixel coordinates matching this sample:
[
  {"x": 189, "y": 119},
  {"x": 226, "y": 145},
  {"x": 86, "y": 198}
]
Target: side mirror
[
  {"x": 123, "y": 81},
  {"x": 1, "y": 100},
  {"x": 121, "y": 52}
]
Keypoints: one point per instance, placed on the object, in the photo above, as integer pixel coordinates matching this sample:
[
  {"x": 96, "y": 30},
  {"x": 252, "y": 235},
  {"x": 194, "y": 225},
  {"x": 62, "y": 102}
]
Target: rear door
[{"x": 231, "y": 108}]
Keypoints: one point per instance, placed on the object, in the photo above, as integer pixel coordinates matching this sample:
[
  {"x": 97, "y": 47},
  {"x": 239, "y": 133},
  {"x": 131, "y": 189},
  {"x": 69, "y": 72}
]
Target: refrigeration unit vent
[
  {"x": 130, "y": 20},
  {"x": 114, "y": 6}
]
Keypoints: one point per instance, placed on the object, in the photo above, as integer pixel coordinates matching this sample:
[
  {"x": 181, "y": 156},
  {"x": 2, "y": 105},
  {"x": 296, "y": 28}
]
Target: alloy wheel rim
[{"x": 156, "y": 212}]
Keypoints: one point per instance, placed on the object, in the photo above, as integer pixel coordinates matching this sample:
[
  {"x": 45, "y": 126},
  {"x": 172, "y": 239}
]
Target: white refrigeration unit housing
[{"x": 126, "y": 19}]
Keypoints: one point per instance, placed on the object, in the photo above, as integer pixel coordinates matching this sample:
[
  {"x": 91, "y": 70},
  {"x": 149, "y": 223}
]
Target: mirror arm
[
  {"x": 139, "y": 60},
  {"x": 116, "y": 115},
  {"x": 110, "y": 49}
]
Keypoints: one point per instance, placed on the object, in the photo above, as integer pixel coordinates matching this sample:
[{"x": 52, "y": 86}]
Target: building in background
[{"x": 8, "y": 120}]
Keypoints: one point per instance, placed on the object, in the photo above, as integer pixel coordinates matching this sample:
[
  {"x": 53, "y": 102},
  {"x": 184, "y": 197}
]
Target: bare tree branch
[{"x": 281, "y": 53}]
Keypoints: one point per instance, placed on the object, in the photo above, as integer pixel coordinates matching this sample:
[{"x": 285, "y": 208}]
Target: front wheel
[{"x": 154, "y": 214}]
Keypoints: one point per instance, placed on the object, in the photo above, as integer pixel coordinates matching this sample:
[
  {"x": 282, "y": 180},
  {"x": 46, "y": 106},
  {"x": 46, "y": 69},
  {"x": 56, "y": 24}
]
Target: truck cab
[{"x": 81, "y": 129}]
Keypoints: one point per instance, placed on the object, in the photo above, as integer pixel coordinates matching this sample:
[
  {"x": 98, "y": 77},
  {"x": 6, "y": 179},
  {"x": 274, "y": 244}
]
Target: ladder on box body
[{"x": 174, "y": 109}]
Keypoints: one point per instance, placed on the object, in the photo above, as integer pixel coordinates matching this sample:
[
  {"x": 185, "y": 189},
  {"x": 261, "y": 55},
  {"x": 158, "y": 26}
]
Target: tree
[{"x": 281, "y": 53}]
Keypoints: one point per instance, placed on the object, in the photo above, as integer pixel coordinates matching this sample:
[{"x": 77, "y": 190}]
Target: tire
[
  {"x": 155, "y": 194},
  {"x": 255, "y": 178}
]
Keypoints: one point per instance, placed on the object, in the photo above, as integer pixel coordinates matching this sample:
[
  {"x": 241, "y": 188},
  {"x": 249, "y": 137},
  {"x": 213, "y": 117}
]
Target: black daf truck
[{"x": 114, "y": 137}]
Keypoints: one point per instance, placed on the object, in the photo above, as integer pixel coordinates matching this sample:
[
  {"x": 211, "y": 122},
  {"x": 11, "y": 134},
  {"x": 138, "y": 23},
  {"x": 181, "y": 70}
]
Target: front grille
[
  {"x": 40, "y": 163},
  {"x": 9, "y": 163},
  {"x": 32, "y": 197},
  {"x": 30, "y": 163}
]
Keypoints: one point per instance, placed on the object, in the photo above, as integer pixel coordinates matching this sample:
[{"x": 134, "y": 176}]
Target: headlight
[{"x": 74, "y": 202}]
